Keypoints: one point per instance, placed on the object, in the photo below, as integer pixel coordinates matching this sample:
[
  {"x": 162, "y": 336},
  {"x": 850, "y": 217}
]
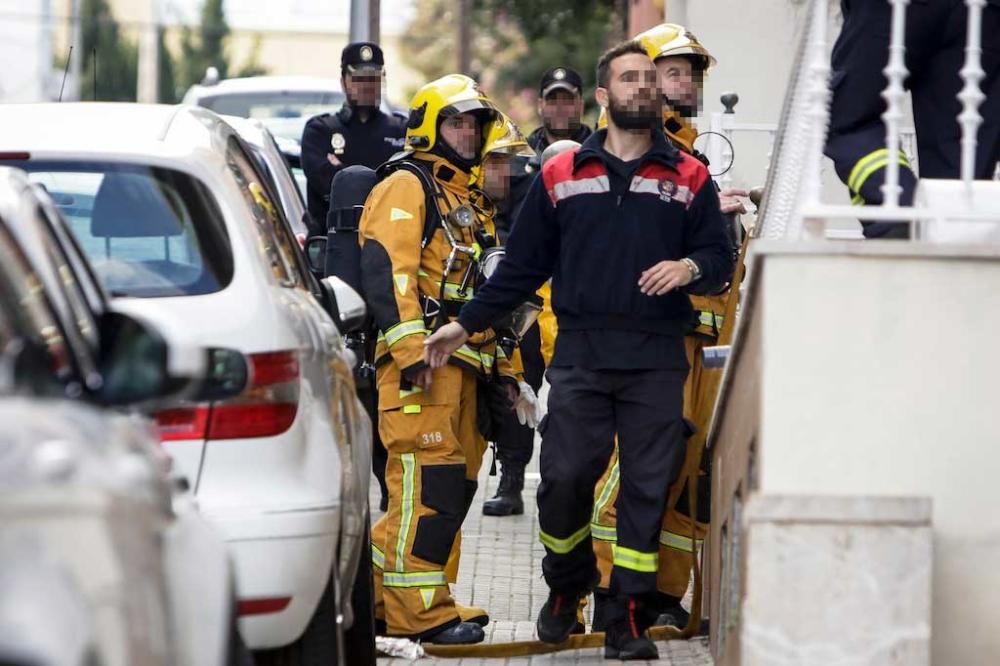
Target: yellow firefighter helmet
[
  {"x": 670, "y": 39},
  {"x": 448, "y": 96},
  {"x": 502, "y": 138}
]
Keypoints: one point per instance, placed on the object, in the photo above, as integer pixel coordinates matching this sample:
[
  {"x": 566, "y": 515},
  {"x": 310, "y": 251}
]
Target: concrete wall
[{"x": 877, "y": 366}]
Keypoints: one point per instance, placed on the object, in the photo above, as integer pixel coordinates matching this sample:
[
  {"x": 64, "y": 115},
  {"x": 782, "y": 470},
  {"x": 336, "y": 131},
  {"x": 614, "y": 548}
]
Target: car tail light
[
  {"x": 266, "y": 408},
  {"x": 262, "y": 606},
  {"x": 18, "y": 156},
  {"x": 183, "y": 423}
]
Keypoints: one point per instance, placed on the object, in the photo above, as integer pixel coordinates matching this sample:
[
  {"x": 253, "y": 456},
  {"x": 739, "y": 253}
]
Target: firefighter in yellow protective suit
[
  {"x": 419, "y": 263},
  {"x": 489, "y": 184},
  {"x": 681, "y": 61}
]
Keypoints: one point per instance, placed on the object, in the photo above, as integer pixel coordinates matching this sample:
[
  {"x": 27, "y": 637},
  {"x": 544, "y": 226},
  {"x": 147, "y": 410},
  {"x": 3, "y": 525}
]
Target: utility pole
[
  {"x": 365, "y": 21},
  {"x": 465, "y": 36},
  {"x": 148, "y": 88},
  {"x": 74, "y": 88}
]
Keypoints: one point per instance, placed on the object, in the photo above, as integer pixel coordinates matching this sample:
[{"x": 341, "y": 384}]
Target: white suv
[{"x": 180, "y": 227}]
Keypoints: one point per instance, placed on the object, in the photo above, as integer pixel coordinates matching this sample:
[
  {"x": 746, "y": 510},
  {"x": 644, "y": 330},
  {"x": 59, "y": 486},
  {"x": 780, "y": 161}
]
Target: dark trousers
[
  {"x": 368, "y": 395},
  {"x": 586, "y": 409},
  {"x": 935, "y": 53},
  {"x": 515, "y": 442}
]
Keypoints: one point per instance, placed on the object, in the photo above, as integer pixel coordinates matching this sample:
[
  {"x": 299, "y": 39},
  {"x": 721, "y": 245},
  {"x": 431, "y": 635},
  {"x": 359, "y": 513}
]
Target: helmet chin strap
[{"x": 685, "y": 111}]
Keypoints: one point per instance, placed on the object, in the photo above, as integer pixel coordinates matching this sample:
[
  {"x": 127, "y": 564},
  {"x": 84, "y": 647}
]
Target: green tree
[
  {"x": 514, "y": 42},
  {"x": 570, "y": 32},
  {"x": 206, "y": 46},
  {"x": 110, "y": 60}
]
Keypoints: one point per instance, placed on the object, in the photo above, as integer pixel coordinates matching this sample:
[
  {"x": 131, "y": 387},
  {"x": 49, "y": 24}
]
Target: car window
[
  {"x": 277, "y": 187},
  {"x": 284, "y": 112},
  {"x": 86, "y": 278},
  {"x": 147, "y": 231},
  {"x": 277, "y": 246}
]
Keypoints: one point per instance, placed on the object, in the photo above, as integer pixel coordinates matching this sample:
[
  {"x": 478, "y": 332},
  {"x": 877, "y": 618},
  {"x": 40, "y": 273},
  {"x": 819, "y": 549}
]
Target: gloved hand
[{"x": 528, "y": 406}]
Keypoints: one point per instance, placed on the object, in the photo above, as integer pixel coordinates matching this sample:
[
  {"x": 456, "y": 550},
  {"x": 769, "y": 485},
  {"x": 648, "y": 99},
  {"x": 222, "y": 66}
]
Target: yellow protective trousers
[{"x": 434, "y": 455}]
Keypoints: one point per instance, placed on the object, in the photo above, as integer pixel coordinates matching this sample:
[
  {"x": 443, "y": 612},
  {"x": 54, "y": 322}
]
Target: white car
[
  {"x": 269, "y": 157},
  {"x": 97, "y": 563},
  {"x": 173, "y": 212},
  {"x": 282, "y": 103}
]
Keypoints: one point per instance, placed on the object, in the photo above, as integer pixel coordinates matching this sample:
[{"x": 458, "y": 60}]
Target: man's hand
[
  {"x": 332, "y": 159},
  {"x": 422, "y": 378},
  {"x": 729, "y": 201},
  {"x": 664, "y": 277},
  {"x": 440, "y": 346}
]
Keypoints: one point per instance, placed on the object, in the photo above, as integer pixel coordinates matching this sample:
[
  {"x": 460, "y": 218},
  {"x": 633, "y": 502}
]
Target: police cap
[
  {"x": 561, "y": 78},
  {"x": 361, "y": 58}
]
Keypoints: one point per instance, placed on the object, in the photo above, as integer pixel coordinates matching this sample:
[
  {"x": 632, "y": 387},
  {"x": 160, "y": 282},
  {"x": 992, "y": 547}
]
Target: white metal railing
[{"x": 793, "y": 207}]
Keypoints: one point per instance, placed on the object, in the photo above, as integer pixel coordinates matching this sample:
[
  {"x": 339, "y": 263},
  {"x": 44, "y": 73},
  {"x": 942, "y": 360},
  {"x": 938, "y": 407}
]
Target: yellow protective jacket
[
  {"x": 399, "y": 277},
  {"x": 710, "y": 310}
]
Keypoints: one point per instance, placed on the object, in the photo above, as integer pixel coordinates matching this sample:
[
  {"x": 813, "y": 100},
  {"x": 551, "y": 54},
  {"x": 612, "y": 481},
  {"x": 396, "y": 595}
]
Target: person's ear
[{"x": 601, "y": 96}]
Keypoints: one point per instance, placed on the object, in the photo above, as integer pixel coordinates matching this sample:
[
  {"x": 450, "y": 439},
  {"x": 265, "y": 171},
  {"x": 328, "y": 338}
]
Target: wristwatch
[{"x": 693, "y": 267}]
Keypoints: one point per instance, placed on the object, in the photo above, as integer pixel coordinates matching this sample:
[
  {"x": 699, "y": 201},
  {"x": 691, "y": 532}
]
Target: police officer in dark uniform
[
  {"x": 935, "y": 53},
  {"x": 360, "y": 133},
  {"x": 560, "y": 106}
]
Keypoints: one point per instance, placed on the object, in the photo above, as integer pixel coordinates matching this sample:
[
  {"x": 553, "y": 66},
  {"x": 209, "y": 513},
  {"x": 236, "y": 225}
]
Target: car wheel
[
  {"x": 318, "y": 645},
  {"x": 359, "y": 640}
]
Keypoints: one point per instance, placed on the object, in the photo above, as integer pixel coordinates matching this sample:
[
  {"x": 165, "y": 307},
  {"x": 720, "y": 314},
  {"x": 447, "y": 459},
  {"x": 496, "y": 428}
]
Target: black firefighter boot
[{"x": 507, "y": 501}]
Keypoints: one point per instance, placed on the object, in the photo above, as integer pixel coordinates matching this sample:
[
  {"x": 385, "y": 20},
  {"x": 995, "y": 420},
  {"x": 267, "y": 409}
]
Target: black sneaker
[
  {"x": 626, "y": 638},
  {"x": 557, "y": 619},
  {"x": 462, "y": 633},
  {"x": 624, "y": 646}
]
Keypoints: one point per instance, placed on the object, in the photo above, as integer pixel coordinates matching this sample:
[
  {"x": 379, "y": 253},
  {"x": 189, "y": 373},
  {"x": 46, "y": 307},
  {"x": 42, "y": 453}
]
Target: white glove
[{"x": 528, "y": 406}]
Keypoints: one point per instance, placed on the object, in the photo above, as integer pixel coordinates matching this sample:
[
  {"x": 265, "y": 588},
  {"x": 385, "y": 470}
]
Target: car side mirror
[
  {"x": 315, "y": 250},
  {"x": 137, "y": 365},
  {"x": 226, "y": 375},
  {"x": 132, "y": 361},
  {"x": 26, "y": 365},
  {"x": 343, "y": 304}
]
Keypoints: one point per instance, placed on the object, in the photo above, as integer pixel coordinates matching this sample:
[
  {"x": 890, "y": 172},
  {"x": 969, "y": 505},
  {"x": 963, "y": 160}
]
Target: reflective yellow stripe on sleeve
[
  {"x": 404, "y": 329},
  {"x": 469, "y": 354},
  {"x": 378, "y": 557},
  {"x": 635, "y": 560}
]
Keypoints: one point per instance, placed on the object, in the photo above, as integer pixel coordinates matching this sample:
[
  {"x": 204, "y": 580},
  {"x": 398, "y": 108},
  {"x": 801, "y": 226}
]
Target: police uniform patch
[
  {"x": 338, "y": 143},
  {"x": 366, "y": 53}
]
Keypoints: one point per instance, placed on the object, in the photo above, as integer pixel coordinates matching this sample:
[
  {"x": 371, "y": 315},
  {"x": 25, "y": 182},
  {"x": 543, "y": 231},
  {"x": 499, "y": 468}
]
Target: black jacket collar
[
  {"x": 662, "y": 151},
  {"x": 346, "y": 114},
  {"x": 539, "y": 140}
]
